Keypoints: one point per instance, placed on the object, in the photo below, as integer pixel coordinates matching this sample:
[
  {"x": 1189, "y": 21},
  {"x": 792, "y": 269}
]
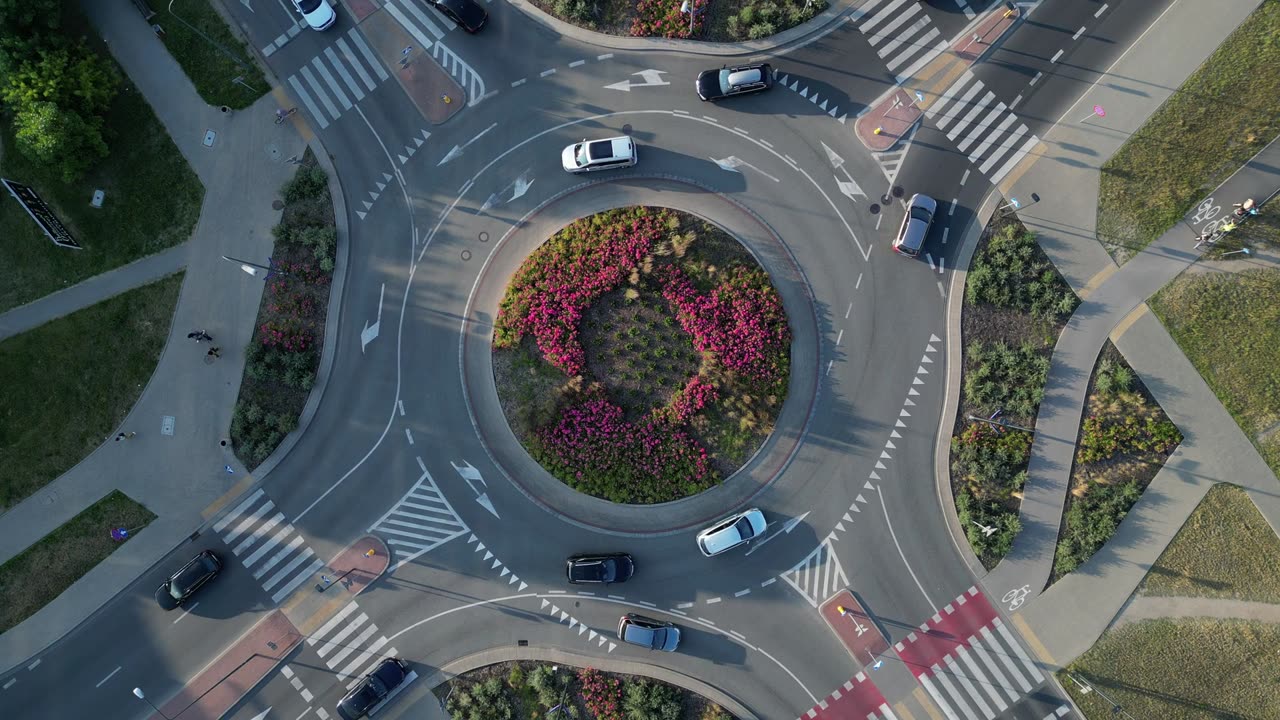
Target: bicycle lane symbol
[
  {"x": 1206, "y": 213},
  {"x": 1016, "y": 597}
]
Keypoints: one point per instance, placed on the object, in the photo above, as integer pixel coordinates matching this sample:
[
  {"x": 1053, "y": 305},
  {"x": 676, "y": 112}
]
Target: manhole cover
[
  {"x": 277, "y": 204},
  {"x": 484, "y": 237},
  {"x": 466, "y": 255}
]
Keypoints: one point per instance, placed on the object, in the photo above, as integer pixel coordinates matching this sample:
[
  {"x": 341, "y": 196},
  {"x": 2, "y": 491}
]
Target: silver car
[
  {"x": 607, "y": 154},
  {"x": 732, "y": 531},
  {"x": 915, "y": 226}
]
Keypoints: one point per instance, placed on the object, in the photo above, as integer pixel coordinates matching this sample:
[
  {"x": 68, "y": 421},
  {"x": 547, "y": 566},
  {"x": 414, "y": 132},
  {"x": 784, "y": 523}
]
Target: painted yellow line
[
  {"x": 1096, "y": 281},
  {"x": 1036, "y": 646},
  {"x": 900, "y": 709},
  {"x": 926, "y": 703},
  {"x": 235, "y": 491},
  {"x": 1130, "y": 319}
]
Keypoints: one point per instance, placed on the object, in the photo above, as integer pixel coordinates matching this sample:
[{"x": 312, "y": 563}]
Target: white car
[
  {"x": 606, "y": 154},
  {"x": 732, "y": 531},
  {"x": 317, "y": 13}
]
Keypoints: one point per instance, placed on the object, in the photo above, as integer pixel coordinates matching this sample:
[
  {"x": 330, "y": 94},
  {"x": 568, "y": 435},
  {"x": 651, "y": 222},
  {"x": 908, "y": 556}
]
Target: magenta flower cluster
[
  {"x": 595, "y": 449},
  {"x": 662, "y": 18},
  {"x": 602, "y": 694},
  {"x": 559, "y": 281},
  {"x": 741, "y": 322},
  {"x": 687, "y": 402}
]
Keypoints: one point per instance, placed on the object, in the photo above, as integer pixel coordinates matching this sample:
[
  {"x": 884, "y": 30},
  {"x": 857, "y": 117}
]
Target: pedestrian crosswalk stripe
[
  {"x": 981, "y": 679},
  {"x": 945, "y": 682},
  {"x": 900, "y": 38},
  {"x": 298, "y": 579},
  {"x": 369, "y": 57},
  {"x": 999, "y": 130},
  {"x": 350, "y": 56},
  {"x": 364, "y": 658},
  {"x": 945, "y": 114},
  {"x": 346, "y": 610},
  {"x": 226, "y": 519},
  {"x": 933, "y": 692},
  {"x": 248, "y": 522},
  {"x": 414, "y": 10},
  {"x": 275, "y": 559},
  {"x": 1015, "y": 159},
  {"x": 335, "y": 642},
  {"x": 267, "y": 546},
  {"x": 342, "y": 72},
  {"x": 331, "y": 83},
  {"x": 288, "y": 568},
  {"x": 354, "y": 644},
  {"x": 992, "y": 669},
  {"x": 983, "y": 125},
  {"x": 310, "y": 77},
  {"x": 1005, "y": 147},
  {"x": 312, "y": 109},
  {"x": 971, "y": 691},
  {"x": 258, "y": 534}
]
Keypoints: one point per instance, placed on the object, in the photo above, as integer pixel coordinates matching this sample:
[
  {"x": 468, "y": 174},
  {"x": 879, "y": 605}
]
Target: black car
[
  {"x": 730, "y": 81},
  {"x": 466, "y": 13},
  {"x": 373, "y": 688},
  {"x": 608, "y": 568},
  {"x": 183, "y": 584},
  {"x": 648, "y": 633}
]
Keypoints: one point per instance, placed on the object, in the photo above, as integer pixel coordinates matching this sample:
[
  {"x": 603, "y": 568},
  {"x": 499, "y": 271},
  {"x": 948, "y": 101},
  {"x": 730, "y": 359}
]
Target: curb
[
  {"x": 496, "y": 655},
  {"x": 951, "y": 400},
  {"x": 805, "y": 31}
]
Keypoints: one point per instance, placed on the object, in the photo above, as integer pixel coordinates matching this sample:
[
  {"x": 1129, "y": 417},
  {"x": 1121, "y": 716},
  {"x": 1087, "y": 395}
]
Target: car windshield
[
  {"x": 580, "y": 154},
  {"x": 743, "y": 526},
  {"x": 174, "y": 591},
  {"x": 920, "y": 213},
  {"x": 607, "y": 570},
  {"x": 309, "y": 5}
]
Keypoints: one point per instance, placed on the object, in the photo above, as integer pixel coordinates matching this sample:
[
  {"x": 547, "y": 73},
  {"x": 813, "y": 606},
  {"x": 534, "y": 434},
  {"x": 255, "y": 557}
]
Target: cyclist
[{"x": 1245, "y": 209}]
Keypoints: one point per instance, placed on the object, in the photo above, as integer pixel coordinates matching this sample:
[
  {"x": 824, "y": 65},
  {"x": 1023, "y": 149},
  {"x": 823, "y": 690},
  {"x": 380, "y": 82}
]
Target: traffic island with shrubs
[
  {"x": 1015, "y": 306},
  {"x": 641, "y": 355},
  {"x": 713, "y": 20},
  {"x": 284, "y": 354},
  {"x": 537, "y": 690},
  {"x": 1124, "y": 440}
]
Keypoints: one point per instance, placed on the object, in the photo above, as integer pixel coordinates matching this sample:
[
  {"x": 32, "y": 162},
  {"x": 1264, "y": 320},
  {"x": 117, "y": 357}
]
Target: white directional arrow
[
  {"x": 489, "y": 202},
  {"x": 248, "y": 7},
  {"x": 262, "y": 715},
  {"x": 522, "y": 186},
  {"x": 651, "y": 77},
  {"x": 371, "y": 331},
  {"x": 786, "y": 528},
  {"x": 847, "y": 186},
  {"x": 457, "y": 149},
  {"x": 518, "y": 188},
  {"x": 732, "y": 163},
  {"x": 469, "y": 473}
]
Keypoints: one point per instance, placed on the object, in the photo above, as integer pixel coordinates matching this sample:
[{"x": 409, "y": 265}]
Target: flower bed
[
  {"x": 533, "y": 690},
  {"x": 713, "y": 20},
  {"x": 641, "y": 355}
]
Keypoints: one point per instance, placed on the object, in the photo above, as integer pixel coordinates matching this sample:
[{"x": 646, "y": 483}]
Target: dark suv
[
  {"x": 183, "y": 584},
  {"x": 731, "y": 81},
  {"x": 608, "y": 568},
  {"x": 373, "y": 688}
]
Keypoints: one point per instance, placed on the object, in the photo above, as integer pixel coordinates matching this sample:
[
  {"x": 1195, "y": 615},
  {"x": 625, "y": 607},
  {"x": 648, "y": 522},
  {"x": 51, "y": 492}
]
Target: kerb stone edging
[
  {"x": 951, "y": 398},
  {"x": 494, "y": 656}
]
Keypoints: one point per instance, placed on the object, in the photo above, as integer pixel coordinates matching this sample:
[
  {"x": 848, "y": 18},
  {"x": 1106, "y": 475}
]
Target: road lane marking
[
  {"x": 33, "y": 665},
  {"x": 1101, "y": 10},
  {"x": 185, "y": 613},
  {"x": 740, "y": 593},
  {"x": 1055, "y": 57},
  {"x": 100, "y": 682},
  {"x": 713, "y": 601},
  {"x": 1078, "y": 33},
  {"x": 606, "y": 56},
  {"x": 901, "y": 554},
  {"x": 519, "y": 82},
  {"x": 576, "y": 63},
  {"x": 14, "y": 680},
  {"x": 545, "y": 73}
]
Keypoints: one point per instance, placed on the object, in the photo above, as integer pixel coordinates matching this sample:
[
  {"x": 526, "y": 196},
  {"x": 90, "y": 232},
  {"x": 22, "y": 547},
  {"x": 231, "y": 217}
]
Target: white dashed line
[
  {"x": 1055, "y": 57},
  {"x": 771, "y": 580},
  {"x": 647, "y": 604},
  {"x": 519, "y": 82},
  {"x": 740, "y": 593},
  {"x": 713, "y": 601},
  {"x": 945, "y": 232},
  {"x": 856, "y": 285},
  {"x": 685, "y": 605},
  {"x": 840, "y": 336},
  {"x": 708, "y": 118},
  {"x": 605, "y": 56},
  {"x": 545, "y": 73},
  {"x": 185, "y": 613},
  {"x": 617, "y": 597},
  {"x": 702, "y": 619},
  {"x": 1015, "y": 102},
  {"x": 584, "y": 592},
  {"x": 408, "y": 435},
  {"x": 677, "y": 612},
  {"x": 741, "y": 131},
  {"x": 766, "y": 144},
  {"x": 100, "y": 682},
  {"x": 738, "y": 635},
  {"x": 1078, "y": 33},
  {"x": 576, "y": 63},
  {"x": 964, "y": 177},
  {"x": 1101, "y": 10},
  {"x": 33, "y": 665},
  {"x": 1034, "y": 79},
  {"x": 14, "y": 680}
]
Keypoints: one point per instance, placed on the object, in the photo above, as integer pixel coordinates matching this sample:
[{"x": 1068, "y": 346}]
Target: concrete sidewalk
[
  {"x": 176, "y": 474},
  {"x": 1067, "y": 619}
]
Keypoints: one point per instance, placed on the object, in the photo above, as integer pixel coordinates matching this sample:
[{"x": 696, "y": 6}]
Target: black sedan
[
  {"x": 608, "y": 568},
  {"x": 731, "y": 81},
  {"x": 466, "y": 13},
  {"x": 373, "y": 688},
  {"x": 183, "y": 584}
]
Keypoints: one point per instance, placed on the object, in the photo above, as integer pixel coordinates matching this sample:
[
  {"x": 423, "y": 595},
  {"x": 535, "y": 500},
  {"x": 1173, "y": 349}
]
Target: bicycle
[{"x": 281, "y": 114}]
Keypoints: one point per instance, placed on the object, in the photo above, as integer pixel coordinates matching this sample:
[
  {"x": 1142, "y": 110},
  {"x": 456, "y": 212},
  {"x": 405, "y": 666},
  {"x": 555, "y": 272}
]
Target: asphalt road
[{"x": 437, "y": 214}]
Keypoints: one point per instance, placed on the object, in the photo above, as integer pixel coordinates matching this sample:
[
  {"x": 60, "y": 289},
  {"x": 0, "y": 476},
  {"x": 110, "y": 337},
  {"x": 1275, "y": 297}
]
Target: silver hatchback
[
  {"x": 915, "y": 226},
  {"x": 732, "y": 531}
]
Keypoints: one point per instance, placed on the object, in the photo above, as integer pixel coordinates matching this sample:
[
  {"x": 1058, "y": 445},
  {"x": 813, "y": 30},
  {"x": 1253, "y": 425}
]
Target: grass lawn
[
  {"x": 1220, "y": 117},
  {"x": 152, "y": 203},
  {"x": 1228, "y": 324},
  {"x": 69, "y": 383},
  {"x": 1182, "y": 669},
  {"x": 1226, "y": 549},
  {"x": 209, "y": 64},
  {"x": 32, "y": 579}
]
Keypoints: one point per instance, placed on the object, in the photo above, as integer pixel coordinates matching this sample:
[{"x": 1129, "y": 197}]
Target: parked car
[
  {"x": 648, "y": 633},
  {"x": 183, "y": 584},
  {"x": 605, "y": 154},
  {"x": 915, "y": 226},
  {"x": 373, "y": 688},
  {"x": 466, "y": 13},
  {"x": 607, "y": 568},
  {"x": 732, "y": 531},
  {"x": 316, "y": 13},
  {"x": 731, "y": 81}
]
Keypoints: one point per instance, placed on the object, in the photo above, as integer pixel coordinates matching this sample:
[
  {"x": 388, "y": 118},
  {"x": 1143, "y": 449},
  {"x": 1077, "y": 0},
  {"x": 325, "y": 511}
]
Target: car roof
[
  {"x": 744, "y": 76},
  {"x": 609, "y": 148}
]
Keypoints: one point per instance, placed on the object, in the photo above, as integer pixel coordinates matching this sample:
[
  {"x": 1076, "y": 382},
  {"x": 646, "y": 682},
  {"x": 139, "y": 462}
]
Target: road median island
[
  {"x": 1214, "y": 123},
  {"x": 70, "y": 382},
  {"x": 713, "y": 20},
  {"x": 39, "y": 574}
]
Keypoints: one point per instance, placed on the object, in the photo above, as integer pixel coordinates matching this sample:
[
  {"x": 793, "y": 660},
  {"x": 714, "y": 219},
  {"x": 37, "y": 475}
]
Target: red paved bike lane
[
  {"x": 858, "y": 698},
  {"x": 965, "y": 617}
]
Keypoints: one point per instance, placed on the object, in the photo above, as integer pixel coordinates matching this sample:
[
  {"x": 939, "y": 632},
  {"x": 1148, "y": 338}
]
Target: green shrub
[
  {"x": 486, "y": 700},
  {"x": 1013, "y": 272},
  {"x": 713, "y": 711},
  {"x": 971, "y": 514},
  {"x": 1003, "y": 377},
  {"x": 1103, "y": 438},
  {"x": 309, "y": 182},
  {"x": 990, "y": 465},
  {"x": 649, "y": 700},
  {"x": 1091, "y": 521},
  {"x": 761, "y": 30}
]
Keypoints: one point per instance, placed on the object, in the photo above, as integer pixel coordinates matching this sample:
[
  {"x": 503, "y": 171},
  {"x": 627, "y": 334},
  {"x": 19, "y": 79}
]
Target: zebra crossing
[
  {"x": 350, "y": 643},
  {"x": 901, "y": 34},
  {"x": 420, "y": 522},
  {"x": 818, "y": 575},
  {"x": 984, "y": 129},
  {"x": 268, "y": 546},
  {"x": 968, "y": 661},
  {"x": 342, "y": 74}
]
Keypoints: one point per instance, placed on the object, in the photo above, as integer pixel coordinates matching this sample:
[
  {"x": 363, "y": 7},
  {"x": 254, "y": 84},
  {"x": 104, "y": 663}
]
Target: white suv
[
  {"x": 732, "y": 531},
  {"x": 607, "y": 154}
]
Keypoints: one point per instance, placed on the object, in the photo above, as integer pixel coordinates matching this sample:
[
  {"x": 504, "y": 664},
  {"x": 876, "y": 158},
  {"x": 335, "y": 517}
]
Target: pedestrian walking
[
  {"x": 214, "y": 352},
  {"x": 125, "y": 436}
]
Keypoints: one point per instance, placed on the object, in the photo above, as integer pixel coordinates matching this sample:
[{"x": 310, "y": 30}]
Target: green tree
[
  {"x": 18, "y": 17},
  {"x": 60, "y": 138},
  {"x": 62, "y": 72}
]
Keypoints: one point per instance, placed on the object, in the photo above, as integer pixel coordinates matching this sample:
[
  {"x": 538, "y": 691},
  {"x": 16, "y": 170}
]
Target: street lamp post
[{"x": 137, "y": 692}]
